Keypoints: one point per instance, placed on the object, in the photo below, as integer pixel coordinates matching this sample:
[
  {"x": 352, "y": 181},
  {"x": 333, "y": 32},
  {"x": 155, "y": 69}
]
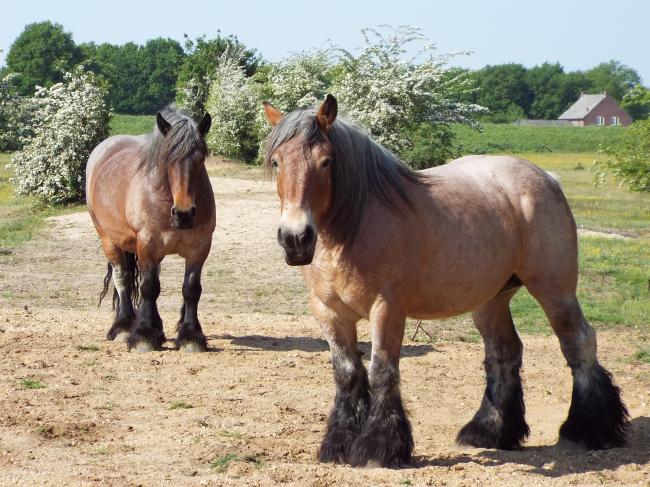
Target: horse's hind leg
[
  {"x": 597, "y": 417},
  {"x": 122, "y": 269},
  {"x": 499, "y": 422}
]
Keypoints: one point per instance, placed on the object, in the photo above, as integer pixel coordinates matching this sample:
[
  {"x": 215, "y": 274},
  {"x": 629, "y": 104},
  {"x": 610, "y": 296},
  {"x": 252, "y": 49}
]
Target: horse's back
[
  {"x": 510, "y": 180},
  {"x": 529, "y": 197},
  {"x": 116, "y": 149}
]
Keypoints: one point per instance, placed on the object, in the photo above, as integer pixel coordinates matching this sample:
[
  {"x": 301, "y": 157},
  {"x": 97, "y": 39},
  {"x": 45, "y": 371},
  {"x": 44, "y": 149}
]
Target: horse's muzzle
[
  {"x": 298, "y": 249},
  {"x": 183, "y": 220}
]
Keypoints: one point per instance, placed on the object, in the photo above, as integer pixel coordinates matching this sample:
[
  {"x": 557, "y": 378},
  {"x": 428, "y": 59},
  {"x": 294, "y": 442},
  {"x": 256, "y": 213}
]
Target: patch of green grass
[
  {"x": 643, "y": 355},
  {"x": 515, "y": 139},
  {"x": 132, "y": 124},
  {"x": 180, "y": 405},
  {"x": 612, "y": 287},
  {"x": 32, "y": 384},
  {"x": 21, "y": 217},
  {"x": 220, "y": 464},
  {"x": 231, "y": 434},
  {"x": 88, "y": 348}
]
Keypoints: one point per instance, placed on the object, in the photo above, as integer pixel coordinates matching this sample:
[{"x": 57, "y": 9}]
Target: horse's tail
[
  {"x": 107, "y": 282},
  {"x": 131, "y": 261},
  {"x": 134, "y": 271}
]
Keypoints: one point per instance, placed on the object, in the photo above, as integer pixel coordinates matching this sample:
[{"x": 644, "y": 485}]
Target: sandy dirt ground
[{"x": 252, "y": 410}]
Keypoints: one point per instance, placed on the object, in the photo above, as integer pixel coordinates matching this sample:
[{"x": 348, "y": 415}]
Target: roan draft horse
[
  {"x": 150, "y": 196},
  {"x": 381, "y": 242}
]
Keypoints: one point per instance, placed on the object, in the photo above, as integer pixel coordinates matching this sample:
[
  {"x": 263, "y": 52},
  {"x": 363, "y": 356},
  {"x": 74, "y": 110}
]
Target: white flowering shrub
[
  {"x": 405, "y": 103},
  {"x": 387, "y": 92},
  {"x": 300, "y": 81},
  {"x": 70, "y": 119},
  {"x": 15, "y": 115},
  {"x": 192, "y": 94},
  {"x": 233, "y": 106}
]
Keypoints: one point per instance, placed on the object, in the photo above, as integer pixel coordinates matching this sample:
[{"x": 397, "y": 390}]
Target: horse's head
[
  {"x": 185, "y": 155},
  {"x": 303, "y": 162}
]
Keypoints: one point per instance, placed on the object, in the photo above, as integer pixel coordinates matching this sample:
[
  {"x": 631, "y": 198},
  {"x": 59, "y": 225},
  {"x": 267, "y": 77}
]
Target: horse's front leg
[
  {"x": 190, "y": 335},
  {"x": 351, "y": 404},
  {"x": 386, "y": 439},
  {"x": 147, "y": 334}
]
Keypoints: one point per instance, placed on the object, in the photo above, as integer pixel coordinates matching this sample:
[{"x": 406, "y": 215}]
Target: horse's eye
[
  {"x": 326, "y": 162},
  {"x": 274, "y": 163}
]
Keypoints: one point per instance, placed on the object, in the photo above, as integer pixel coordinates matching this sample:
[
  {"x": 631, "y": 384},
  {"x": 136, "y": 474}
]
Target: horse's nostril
[
  {"x": 193, "y": 211},
  {"x": 306, "y": 238},
  {"x": 174, "y": 211}
]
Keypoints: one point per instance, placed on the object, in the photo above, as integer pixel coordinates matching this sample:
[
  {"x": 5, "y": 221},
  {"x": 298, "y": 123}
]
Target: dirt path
[{"x": 257, "y": 402}]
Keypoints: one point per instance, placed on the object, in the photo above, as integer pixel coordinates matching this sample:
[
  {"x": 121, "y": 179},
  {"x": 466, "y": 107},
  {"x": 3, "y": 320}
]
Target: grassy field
[
  {"x": 132, "y": 124},
  {"x": 21, "y": 216},
  {"x": 514, "y": 139}
]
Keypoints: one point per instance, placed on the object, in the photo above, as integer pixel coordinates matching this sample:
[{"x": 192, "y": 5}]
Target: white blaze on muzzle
[{"x": 295, "y": 220}]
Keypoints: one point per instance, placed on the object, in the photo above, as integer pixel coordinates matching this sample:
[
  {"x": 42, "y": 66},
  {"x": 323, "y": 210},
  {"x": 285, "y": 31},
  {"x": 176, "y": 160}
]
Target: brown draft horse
[
  {"x": 150, "y": 196},
  {"x": 381, "y": 242}
]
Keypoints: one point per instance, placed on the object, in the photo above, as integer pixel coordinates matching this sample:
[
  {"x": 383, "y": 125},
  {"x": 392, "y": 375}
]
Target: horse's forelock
[
  {"x": 181, "y": 142},
  {"x": 300, "y": 123}
]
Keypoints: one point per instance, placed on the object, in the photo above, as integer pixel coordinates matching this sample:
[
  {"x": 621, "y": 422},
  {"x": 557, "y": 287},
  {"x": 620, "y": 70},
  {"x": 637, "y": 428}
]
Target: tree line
[
  {"x": 512, "y": 91},
  {"x": 140, "y": 79}
]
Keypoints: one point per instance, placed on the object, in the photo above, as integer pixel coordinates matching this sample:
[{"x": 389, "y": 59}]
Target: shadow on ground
[
  {"x": 559, "y": 459},
  {"x": 309, "y": 344}
]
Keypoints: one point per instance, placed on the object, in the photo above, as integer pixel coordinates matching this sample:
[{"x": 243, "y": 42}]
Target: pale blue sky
[{"x": 577, "y": 33}]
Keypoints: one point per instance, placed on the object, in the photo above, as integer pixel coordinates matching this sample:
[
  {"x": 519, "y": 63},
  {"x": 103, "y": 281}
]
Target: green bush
[
  {"x": 630, "y": 158},
  {"x": 432, "y": 145}
]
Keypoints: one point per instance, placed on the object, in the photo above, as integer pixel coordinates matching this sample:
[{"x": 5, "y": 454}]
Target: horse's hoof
[
  {"x": 122, "y": 336},
  {"x": 142, "y": 347},
  {"x": 192, "y": 347}
]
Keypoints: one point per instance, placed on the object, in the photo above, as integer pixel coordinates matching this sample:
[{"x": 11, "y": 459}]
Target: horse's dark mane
[
  {"x": 181, "y": 142},
  {"x": 360, "y": 168}
]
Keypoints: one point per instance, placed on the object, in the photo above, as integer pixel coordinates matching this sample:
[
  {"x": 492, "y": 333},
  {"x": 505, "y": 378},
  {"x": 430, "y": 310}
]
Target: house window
[
  {"x": 614, "y": 121},
  {"x": 600, "y": 120}
]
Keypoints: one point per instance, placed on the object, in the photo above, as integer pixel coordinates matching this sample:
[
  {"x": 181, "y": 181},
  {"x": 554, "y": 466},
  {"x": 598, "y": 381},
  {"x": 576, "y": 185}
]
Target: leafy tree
[
  {"x": 15, "y": 115},
  {"x": 613, "y": 77},
  {"x": 553, "y": 90},
  {"x": 161, "y": 61},
  {"x": 41, "y": 53},
  {"x": 637, "y": 102},
  {"x": 201, "y": 60},
  {"x": 630, "y": 158},
  {"x": 141, "y": 79},
  {"x": 504, "y": 90}
]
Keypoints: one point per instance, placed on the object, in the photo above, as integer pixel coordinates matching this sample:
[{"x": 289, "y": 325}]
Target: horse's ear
[
  {"x": 163, "y": 125},
  {"x": 273, "y": 115},
  {"x": 204, "y": 124},
  {"x": 327, "y": 113}
]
